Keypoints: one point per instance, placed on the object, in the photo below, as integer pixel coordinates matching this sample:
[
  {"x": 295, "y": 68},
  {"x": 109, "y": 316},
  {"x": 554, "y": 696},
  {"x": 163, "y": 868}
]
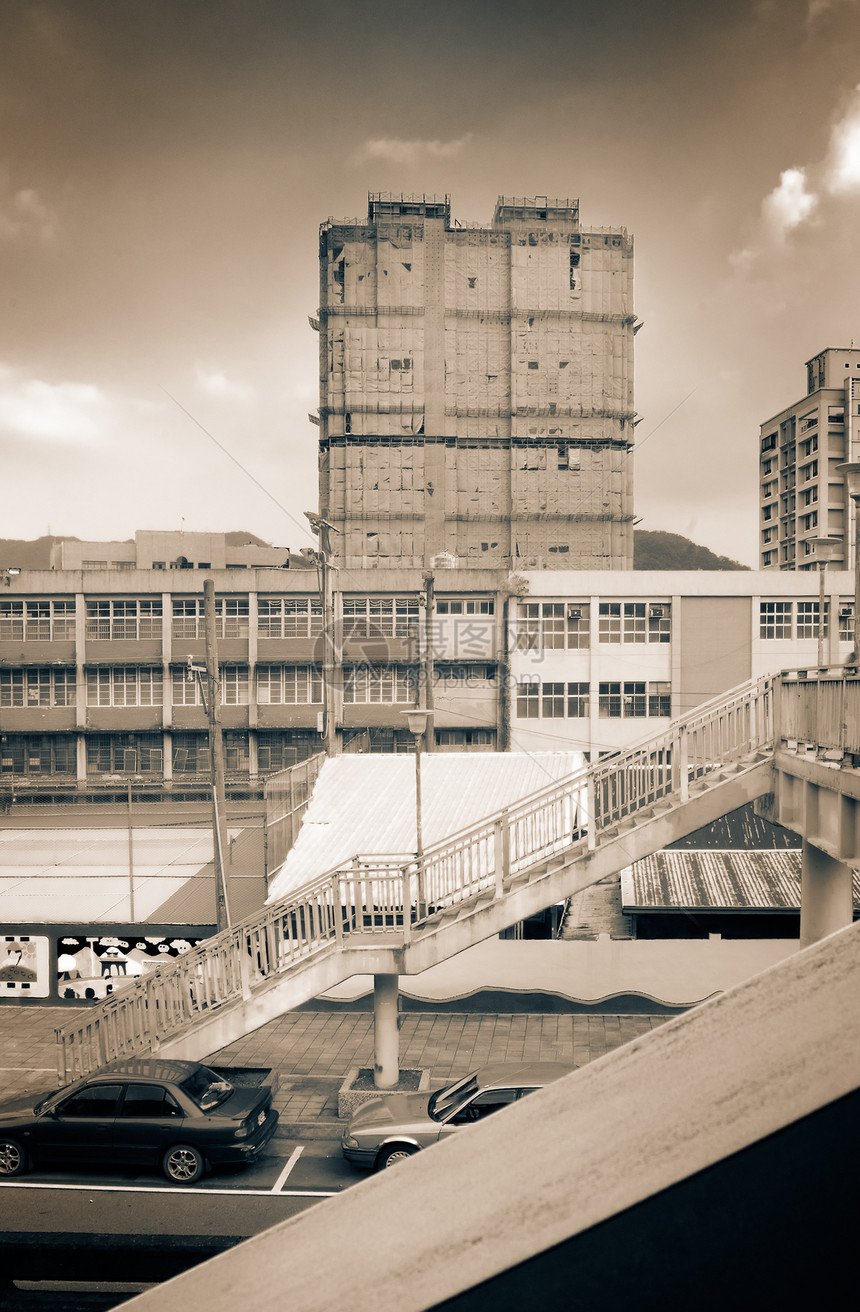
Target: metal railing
[
  {"x": 821, "y": 707},
  {"x": 374, "y": 897}
]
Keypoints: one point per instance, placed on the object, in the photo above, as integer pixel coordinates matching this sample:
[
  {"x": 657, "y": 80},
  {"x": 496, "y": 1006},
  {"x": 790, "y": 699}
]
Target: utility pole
[
  {"x": 330, "y": 664},
  {"x": 429, "y": 731},
  {"x": 212, "y": 706}
]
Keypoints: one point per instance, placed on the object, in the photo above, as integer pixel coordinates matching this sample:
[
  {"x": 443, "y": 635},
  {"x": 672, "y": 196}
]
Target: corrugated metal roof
[
  {"x": 675, "y": 880},
  {"x": 366, "y": 804},
  {"x": 80, "y": 876}
]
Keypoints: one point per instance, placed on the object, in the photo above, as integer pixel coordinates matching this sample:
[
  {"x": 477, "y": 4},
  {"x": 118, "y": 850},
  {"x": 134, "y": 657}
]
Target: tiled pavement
[{"x": 312, "y": 1051}]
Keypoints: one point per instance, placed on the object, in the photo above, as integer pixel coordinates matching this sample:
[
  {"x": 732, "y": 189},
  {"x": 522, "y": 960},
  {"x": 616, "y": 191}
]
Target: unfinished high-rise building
[{"x": 476, "y": 387}]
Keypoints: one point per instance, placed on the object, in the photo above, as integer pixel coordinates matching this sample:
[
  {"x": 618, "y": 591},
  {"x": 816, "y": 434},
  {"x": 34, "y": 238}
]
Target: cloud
[
  {"x": 219, "y": 385},
  {"x": 73, "y": 413},
  {"x": 397, "y": 150},
  {"x": 816, "y": 9},
  {"x": 789, "y": 204},
  {"x": 842, "y": 176},
  {"x": 24, "y": 215}
]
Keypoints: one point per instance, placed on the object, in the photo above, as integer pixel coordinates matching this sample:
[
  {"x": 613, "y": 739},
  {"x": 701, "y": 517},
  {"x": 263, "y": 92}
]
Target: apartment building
[
  {"x": 94, "y": 664},
  {"x": 476, "y": 387},
  {"x": 802, "y": 491}
]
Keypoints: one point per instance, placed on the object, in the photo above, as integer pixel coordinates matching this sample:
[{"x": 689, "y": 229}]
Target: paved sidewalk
[{"x": 312, "y": 1051}]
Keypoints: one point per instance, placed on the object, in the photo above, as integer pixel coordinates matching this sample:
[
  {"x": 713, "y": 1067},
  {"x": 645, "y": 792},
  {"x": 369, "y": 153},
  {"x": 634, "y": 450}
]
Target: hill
[
  {"x": 651, "y": 550},
  {"x": 36, "y": 554},
  {"x": 657, "y": 550}
]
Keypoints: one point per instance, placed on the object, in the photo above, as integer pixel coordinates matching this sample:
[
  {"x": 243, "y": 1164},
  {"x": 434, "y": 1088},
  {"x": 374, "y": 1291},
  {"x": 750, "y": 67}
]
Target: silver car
[{"x": 388, "y": 1129}]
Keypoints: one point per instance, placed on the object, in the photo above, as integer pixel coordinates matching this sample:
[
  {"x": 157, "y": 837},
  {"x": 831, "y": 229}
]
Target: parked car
[
  {"x": 178, "y": 1115},
  {"x": 392, "y": 1127}
]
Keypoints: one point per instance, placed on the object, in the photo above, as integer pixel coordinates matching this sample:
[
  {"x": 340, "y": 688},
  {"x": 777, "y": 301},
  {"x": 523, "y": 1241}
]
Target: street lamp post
[
  {"x": 824, "y": 549},
  {"x": 417, "y": 721},
  {"x": 851, "y": 473}
]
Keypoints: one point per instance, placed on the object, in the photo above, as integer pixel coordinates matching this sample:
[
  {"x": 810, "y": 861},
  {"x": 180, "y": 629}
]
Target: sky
[{"x": 165, "y": 166}]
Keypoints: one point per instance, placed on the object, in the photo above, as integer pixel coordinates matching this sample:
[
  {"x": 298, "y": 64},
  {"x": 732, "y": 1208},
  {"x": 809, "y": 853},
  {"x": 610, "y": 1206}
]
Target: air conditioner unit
[
  {"x": 574, "y": 612},
  {"x": 445, "y": 560},
  {"x": 657, "y": 612}
]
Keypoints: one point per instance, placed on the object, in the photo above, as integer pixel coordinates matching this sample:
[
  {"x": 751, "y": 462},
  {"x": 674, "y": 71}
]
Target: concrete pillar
[
  {"x": 386, "y": 1037},
  {"x": 825, "y": 895}
]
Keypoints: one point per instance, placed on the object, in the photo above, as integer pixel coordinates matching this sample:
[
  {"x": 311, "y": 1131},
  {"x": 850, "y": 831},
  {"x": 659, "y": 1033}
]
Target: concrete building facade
[
  {"x": 95, "y": 687},
  {"x": 476, "y": 387},
  {"x": 801, "y": 490}
]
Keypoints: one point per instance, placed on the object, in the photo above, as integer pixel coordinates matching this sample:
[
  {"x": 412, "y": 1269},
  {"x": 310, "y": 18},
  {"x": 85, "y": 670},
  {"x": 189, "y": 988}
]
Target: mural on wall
[
  {"x": 90, "y": 966},
  {"x": 24, "y": 966}
]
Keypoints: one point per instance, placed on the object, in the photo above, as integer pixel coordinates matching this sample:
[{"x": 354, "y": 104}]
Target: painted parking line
[
  {"x": 182, "y": 1189},
  {"x": 281, "y": 1180}
]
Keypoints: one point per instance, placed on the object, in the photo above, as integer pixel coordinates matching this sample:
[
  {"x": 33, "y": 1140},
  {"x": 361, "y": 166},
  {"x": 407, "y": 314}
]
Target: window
[
  {"x": 289, "y": 685},
  {"x": 36, "y": 621},
  {"x": 236, "y": 757},
  {"x": 464, "y": 606},
  {"x": 846, "y": 621},
  {"x": 189, "y": 617},
  {"x": 775, "y": 619},
  {"x": 528, "y": 699},
  {"x": 767, "y": 513},
  {"x": 278, "y": 750},
  {"x": 659, "y": 622},
  {"x": 635, "y": 704},
  {"x": 289, "y": 617},
  {"x": 660, "y": 699},
  {"x": 30, "y": 754},
  {"x": 769, "y": 443},
  {"x": 464, "y": 737},
  {"x": 234, "y": 685},
  {"x": 96, "y": 1103},
  {"x": 380, "y": 684},
  {"x": 470, "y": 673},
  {"x": 37, "y": 687},
  {"x": 186, "y": 687},
  {"x": 380, "y": 617},
  {"x": 577, "y": 700},
  {"x": 116, "y": 620},
  {"x": 124, "y": 685},
  {"x": 808, "y": 496},
  {"x": 124, "y": 753},
  {"x": 809, "y": 521},
  {"x": 553, "y": 701},
  {"x": 609, "y": 700},
  {"x": 808, "y": 446},
  {"x": 190, "y": 753},
  {"x": 808, "y": 472},
  {"x": 807, "y": 619},
  {"x": 552, "y": 625},
  {"x": 149, "y": 1101},
  {"x": 635, "y": 622},
  {"x": 609, "y": 621}
]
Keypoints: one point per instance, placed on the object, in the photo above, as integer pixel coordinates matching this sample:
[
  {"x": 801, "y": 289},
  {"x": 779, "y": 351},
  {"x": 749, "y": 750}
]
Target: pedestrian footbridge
[{"x": 788, "y": 739}]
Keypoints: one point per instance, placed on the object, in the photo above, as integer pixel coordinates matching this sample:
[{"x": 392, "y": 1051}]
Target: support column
[
  {"x": 386, "y": 1037},
  {"x": 826, "y": 903}
]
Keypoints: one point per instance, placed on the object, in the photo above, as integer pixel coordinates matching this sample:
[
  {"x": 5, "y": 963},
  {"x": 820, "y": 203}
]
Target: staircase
[{"x": 376, "y": 915}]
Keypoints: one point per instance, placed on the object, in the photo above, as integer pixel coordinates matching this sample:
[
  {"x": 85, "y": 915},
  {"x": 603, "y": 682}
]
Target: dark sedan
[
  {"x": 178, "y": 1115},
  {"x": 387, "y": 1129}
]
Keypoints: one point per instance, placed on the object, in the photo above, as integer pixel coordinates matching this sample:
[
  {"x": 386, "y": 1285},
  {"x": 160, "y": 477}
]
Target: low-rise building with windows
[{"x": 97, "y": 681}]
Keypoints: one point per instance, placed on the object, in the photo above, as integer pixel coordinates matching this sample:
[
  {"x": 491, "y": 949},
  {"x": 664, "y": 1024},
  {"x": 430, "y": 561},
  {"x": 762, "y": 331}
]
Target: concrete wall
[{"x": 677, "y": 972}]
